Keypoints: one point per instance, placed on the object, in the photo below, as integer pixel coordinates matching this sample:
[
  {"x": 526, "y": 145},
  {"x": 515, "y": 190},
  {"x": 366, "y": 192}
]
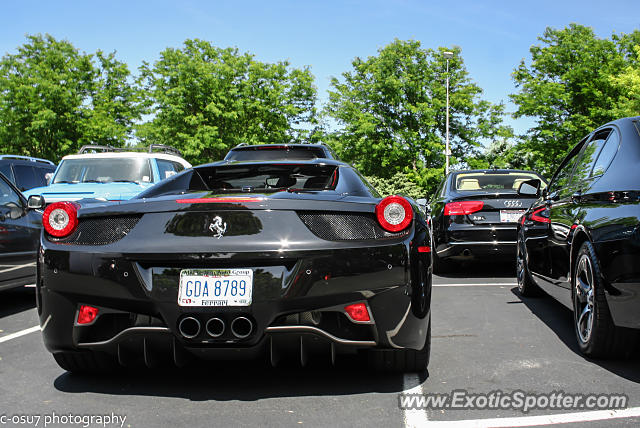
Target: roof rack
[
  {"x": 161, "y": 148},
  {"x": 27, "y": 158}
]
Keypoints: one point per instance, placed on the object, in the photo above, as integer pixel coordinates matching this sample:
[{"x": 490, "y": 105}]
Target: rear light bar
[
  {"x": 463, "y": 207},
  {"x": 424, "y": 249},
  {"x": 60, "y": 219},
  {"x": 394, "y": 213},
  {"x": 218, "y": 200}
]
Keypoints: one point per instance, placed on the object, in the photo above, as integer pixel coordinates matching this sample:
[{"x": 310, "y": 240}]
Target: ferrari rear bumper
[{"x": 298, "y": 301}]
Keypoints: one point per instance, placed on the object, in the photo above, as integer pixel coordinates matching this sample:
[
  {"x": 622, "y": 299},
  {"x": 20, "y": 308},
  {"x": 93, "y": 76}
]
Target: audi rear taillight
[
  {"x": 541, "y": 215},
  {"x": 463, "y": 207},
  {"x": 394, "y": 213},
  {"x": 60, "y": 219}
]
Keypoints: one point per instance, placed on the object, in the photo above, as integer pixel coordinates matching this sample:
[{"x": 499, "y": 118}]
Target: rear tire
[
  {"x": 596, "y": 334},
  {"x": 86, "y": 362},
  {"x": 402, "y": 360},
  {"x": 526, "y": 286}
]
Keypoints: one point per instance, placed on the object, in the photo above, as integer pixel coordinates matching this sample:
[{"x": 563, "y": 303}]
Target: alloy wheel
[{"x": 583, "y": 299}]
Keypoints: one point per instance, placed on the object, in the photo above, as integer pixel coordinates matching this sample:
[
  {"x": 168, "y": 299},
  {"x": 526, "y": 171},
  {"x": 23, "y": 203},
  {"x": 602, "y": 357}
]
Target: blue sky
[{"x": 325, "y": 35}]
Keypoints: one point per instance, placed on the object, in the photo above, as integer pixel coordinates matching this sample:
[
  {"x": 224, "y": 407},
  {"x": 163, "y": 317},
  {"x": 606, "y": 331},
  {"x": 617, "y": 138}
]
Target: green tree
[
  {"x": 628, "y": 84},
  {"x": 53, "y": 99},
  {"x": 391, "y": 111},
  {"x": 568, "y": 88},
  {"x": 207, "y": 99}
]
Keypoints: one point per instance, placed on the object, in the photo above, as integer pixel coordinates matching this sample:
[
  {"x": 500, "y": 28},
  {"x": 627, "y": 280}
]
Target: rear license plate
[
  {"x": 215, "y": 287},
  {"x": 510, "y": 216}
]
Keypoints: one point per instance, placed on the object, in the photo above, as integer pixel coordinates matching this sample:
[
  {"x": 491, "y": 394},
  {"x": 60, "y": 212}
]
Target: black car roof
[
  {"x": 317, "y": 161},
  {"x": 294, "y": 145},
  {"x": 493, "y": 171}
]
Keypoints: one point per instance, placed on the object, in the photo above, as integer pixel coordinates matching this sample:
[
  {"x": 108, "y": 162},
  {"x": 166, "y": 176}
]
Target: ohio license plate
[
  {"x": 215, "y": 287},
  {"x": 510, "y": 216}
]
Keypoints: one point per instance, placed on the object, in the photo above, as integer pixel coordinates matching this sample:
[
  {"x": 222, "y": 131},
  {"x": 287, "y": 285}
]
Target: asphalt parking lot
[{"x": 485, "y": 338}]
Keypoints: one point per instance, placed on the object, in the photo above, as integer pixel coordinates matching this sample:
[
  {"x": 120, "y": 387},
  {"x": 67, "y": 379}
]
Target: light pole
[{"x": 447, "y": 153}]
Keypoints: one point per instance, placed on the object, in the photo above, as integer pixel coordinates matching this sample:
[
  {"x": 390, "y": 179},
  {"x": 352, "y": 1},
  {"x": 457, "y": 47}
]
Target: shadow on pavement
[
  {"x": 16, "y": 300},
  {"x": 560, "y": 320},
  {"x": 244, "y": 381},
  {"x": 480, "y": 270}
]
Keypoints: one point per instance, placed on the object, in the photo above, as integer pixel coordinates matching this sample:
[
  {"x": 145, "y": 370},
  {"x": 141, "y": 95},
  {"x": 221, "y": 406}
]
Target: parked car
[
  {"x": 268, "y": 152},
  {"x": 580, "y": 241},
  {"x": 237, "y": 259},
  {"x": 26, "y": 172},
  {"x": 475, "y": 214},
  {"x": 19, "y": 237},
  {"x": 109, "y": 173}
]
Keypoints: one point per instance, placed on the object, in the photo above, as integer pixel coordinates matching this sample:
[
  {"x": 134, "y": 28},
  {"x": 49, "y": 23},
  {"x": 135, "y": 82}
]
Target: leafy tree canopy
[
  {"x": 53, "y": 99},
  {"x": 392, "y": 107},
  {"x": 574, "y": 82},
  {"x": 207, "y": 99}
]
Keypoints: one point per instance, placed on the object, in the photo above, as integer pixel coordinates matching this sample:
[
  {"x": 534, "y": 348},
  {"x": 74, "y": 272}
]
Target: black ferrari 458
[
  {"x": 475, "y": 214},
  {"x": 580, "y": 241},
  {"x": 288, "y": 260}
]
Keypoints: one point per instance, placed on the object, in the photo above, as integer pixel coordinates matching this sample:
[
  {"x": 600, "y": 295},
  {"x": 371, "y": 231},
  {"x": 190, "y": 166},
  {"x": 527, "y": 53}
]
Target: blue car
[{"x": 110, "y": 174}]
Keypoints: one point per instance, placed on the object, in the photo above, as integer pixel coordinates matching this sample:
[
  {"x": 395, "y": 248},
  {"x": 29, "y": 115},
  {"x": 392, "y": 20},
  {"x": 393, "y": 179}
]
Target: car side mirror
[
  {"x": 48, "y": 176},
  {"x": 529, "y": 188},
  {"x": 35, "y": 202},
  {"x": 424, "y": 205}
]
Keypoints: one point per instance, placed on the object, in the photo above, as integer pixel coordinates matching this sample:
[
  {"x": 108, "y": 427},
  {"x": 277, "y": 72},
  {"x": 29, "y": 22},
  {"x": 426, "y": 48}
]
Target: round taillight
[
  {"x": 394, "y": 213},
  {"x": 60, "y": 219}
]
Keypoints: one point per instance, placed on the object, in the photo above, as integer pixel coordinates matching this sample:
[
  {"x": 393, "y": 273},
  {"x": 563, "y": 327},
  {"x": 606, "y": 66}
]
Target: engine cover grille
[
  {"x": 338, "y": 226},
  {"x": 100, "y": 230}
]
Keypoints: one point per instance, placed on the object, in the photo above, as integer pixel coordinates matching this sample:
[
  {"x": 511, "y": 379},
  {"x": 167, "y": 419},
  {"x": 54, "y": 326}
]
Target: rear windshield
[
  {"x": 268, "y": 153},
  {"x": 492, "y": 181},
  {"x": 269, "y": 178}
]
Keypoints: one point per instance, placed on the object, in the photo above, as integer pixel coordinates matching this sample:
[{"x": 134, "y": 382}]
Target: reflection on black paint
[{"x": 197, "y": 223}]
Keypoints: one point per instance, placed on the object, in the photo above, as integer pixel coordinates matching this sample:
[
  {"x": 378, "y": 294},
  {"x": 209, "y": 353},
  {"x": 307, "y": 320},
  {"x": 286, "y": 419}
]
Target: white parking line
[
  {"x": 477, "y": 284},
  {"x": 526, "y": 421},
  {"x": 413, "y": 417},
  {"x": 19, "y": 333}
]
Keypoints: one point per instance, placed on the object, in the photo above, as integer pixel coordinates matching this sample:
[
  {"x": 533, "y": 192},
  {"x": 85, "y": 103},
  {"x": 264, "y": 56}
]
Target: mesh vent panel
[
  {"x": 334, "y": 226},
  {"x": 100, "y": 230}
]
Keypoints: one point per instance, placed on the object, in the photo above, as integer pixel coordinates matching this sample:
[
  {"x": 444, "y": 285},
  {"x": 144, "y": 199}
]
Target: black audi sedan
[
  {"x": 288, "y": 260},
  {"x": 580, "y": 241},
  {"x": 475, "y": 214}
]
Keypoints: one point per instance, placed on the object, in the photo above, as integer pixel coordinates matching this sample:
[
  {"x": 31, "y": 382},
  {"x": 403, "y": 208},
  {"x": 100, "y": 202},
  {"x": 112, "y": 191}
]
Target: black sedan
[
  {"x": 475, "y": 213},
  {"x": 236, "y": 260},
  {"x": 19, "y": 237},
  {"x": 580, "y": 242}
]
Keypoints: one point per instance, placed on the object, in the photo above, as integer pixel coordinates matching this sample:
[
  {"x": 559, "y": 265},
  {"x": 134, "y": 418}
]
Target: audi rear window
[
  {"x": 268, "y": 178},
  {"x": 268, "y": 153},
  {"x": 492, "y": 181}
]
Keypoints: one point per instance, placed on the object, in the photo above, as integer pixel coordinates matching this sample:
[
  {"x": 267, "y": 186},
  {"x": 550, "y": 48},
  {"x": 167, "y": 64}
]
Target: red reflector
[
  {"x": 573, "y": 226},
  {"x": 218, "y": 200},
  {"x": 424, "y": 249},
  {"x": 86, "y": 314},
  {"x": 462, "y": 207},
  {"x": 358, "y": 312}
]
